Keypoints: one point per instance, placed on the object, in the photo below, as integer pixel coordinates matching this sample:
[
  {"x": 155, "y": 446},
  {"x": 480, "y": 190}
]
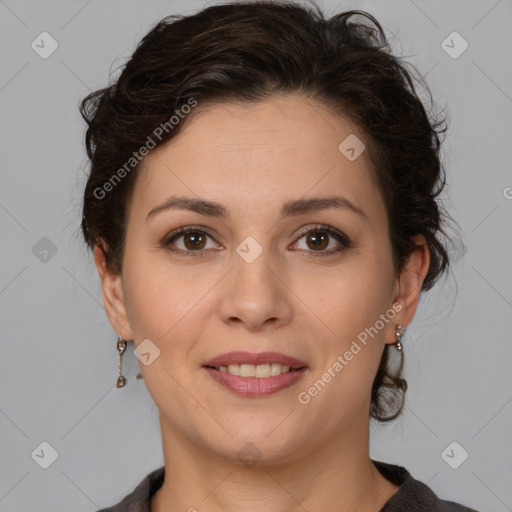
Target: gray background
[{"x": 58, "y": 358}]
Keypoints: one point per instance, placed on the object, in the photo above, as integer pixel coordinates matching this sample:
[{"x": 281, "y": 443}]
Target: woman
[{"x": 262, "y": 208}]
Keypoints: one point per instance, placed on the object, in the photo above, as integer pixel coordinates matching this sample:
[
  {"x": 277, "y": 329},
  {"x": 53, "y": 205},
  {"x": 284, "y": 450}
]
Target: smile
[
  {"x": 255, "y": 386},
  {"x": 256, "y": 370}
]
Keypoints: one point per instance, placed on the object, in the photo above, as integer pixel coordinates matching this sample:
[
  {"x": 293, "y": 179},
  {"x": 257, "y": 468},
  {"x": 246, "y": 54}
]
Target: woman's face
[{"x": 249, "y": 278}]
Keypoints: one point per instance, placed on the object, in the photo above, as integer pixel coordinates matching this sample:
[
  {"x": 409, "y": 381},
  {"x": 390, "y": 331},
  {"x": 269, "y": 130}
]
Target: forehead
[{"x": 250, "y": 155}]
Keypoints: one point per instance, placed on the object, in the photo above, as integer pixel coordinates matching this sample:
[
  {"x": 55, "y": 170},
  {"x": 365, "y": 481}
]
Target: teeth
[{"x": 258, "y": 370}]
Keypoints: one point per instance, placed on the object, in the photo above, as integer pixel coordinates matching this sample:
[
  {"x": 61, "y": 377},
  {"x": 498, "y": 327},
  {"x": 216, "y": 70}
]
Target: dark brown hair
[{"x": 245, "y": 52}]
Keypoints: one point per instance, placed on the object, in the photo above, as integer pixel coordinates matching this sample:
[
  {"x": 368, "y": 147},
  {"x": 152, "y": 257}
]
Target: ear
[
  {"x": 410, "y": 280},
  {"x": 113, "y": 296}
]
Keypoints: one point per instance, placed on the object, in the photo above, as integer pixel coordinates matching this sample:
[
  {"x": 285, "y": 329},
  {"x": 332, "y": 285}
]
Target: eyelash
[{"x": 338, "y": 235}]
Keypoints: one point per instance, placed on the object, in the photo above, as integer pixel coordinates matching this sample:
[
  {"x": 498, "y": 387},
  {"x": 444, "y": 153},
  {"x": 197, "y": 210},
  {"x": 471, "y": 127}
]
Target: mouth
[
  {"x": 261, "y": 371},
  {"x": 241, "y": 359},
  {"x": 255, "y": 374}
]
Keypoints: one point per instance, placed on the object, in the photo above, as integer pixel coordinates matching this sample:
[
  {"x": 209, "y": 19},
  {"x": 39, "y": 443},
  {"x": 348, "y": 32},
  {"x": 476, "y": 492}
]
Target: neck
[{"x": 337, "y": 476}]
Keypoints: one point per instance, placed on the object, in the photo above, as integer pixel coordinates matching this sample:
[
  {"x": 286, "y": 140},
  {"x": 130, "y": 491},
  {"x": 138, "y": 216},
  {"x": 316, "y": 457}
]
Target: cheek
[
  {"x": 151, "y": 299},
  {"x": 353, "y": 298},
  {"x": 164, "y": 301},
  {"x": 354, "y": 351},
  {"x": 353, "y": 306}
]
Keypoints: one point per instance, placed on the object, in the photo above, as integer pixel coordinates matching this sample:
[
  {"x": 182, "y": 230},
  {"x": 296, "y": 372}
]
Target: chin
[{"x": 262, "y": 446}]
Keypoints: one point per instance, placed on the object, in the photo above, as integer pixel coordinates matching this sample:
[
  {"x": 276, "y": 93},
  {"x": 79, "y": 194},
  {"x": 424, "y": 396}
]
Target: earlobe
[
  {"x": 411, "y": 279},
  {"x": 113, "y": 294}
]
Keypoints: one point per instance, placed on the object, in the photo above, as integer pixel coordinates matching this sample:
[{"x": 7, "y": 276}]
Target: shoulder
[
  {"x": 413, "y": 494},
  {"x": 139, "y": 499}
]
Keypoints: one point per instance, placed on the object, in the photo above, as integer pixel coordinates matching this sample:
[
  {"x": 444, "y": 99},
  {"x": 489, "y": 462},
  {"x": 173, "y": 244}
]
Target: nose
[{"x": 255, "y": 295}]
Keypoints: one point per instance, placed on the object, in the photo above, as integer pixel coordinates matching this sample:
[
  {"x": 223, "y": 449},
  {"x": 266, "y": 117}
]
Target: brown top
[{"x": 411, "y": 494}]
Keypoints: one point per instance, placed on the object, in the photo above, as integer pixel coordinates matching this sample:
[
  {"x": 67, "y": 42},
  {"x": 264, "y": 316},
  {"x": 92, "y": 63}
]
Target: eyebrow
[{"x": 289, "y": 209}]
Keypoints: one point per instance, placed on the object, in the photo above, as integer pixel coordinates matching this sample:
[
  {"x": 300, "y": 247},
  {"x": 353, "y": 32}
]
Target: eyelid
[
  {"x": 332, "y": 232},
  {"x": 339, "y": 235},
  {"x": 327, "y": 228},
  {"x": 176, "y": 233}
]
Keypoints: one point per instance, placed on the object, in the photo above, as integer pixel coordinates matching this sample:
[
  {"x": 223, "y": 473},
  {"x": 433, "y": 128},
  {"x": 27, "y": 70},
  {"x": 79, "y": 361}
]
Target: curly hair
[{"x": 246, "y": 52}]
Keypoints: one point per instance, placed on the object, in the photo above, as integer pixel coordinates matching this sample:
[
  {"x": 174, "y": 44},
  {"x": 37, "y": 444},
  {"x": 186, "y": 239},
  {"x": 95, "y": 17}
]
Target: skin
[{"x": 252, "y": 158}]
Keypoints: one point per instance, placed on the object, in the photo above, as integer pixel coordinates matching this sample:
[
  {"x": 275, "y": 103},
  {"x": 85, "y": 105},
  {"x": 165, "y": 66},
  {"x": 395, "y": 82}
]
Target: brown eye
[
  {"x": 191, "y": 240},
  {"x": 317, "y": 239},
  {"x": 320, "y": 237},
  {"x": 194, "y": 240}
]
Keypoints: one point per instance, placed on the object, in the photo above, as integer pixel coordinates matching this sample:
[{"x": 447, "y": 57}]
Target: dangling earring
[
  {"x": 121, "y": 347},
  {"x": 400, "y": 329},
  {"x": 400, "y": 383}
]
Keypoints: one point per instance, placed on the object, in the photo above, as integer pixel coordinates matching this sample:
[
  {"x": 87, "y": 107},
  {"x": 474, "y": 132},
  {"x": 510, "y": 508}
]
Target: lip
[
  {"x": 254, "y": 358},
  {"x": 255, "y": 386}
]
